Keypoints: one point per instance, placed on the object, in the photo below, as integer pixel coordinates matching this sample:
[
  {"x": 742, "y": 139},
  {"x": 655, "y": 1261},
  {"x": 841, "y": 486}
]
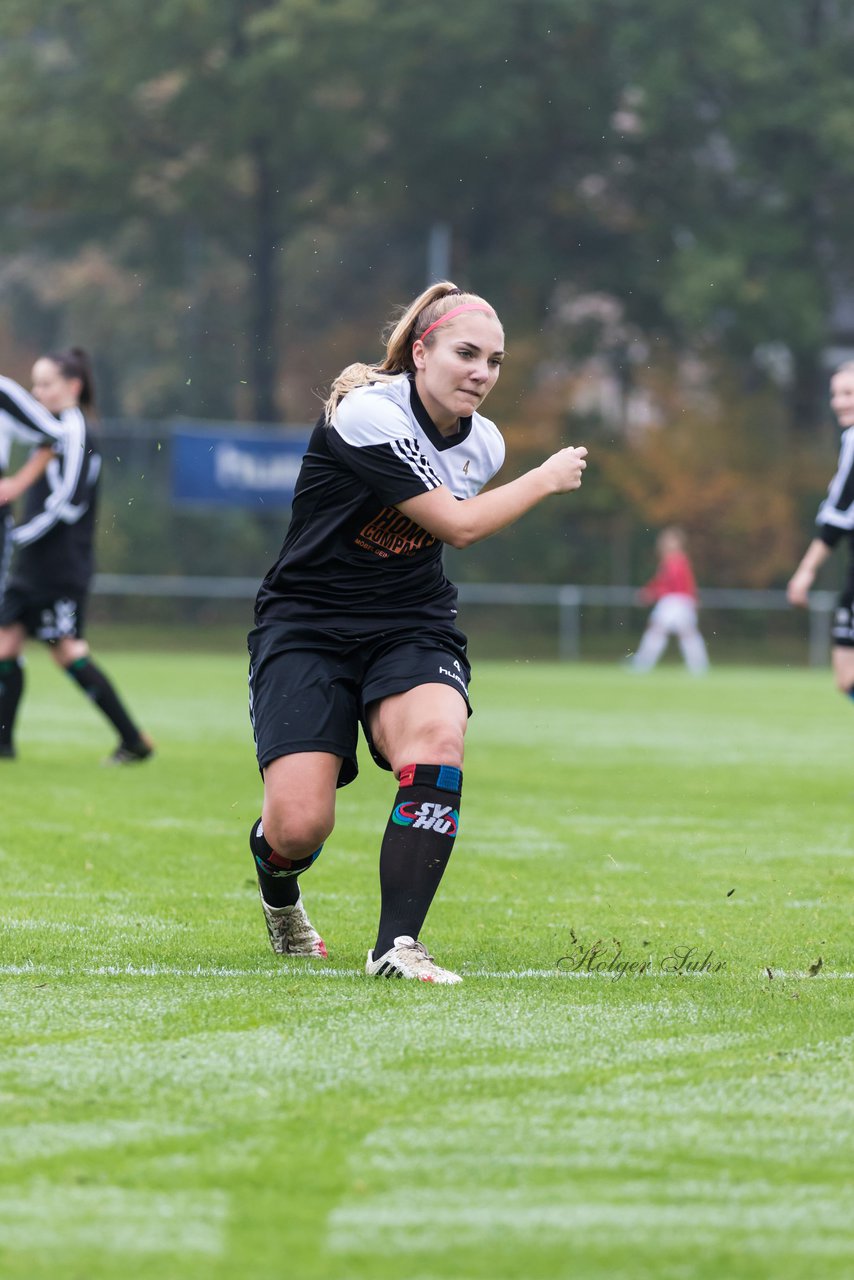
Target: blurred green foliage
[
  {"x": 221, "y": 198},
  {"x": 225, "y": 198}
]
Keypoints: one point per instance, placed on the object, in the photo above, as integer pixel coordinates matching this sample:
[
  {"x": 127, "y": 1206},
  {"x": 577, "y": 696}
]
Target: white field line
[{"x": 312, "y": 970}]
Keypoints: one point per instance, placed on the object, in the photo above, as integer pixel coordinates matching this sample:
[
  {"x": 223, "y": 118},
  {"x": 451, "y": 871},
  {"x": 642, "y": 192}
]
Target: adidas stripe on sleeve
[
  {"x": 836, "y": 513},
  {"x": 71, "y": 476},
  {"x": 23, "y": 418}
]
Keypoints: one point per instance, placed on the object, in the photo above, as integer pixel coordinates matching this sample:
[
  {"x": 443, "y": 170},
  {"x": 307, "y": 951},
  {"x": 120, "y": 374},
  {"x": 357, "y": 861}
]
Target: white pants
[{"x": 673, "y": 615}]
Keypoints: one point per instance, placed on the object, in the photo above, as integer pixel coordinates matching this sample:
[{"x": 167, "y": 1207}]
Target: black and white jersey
[
  {"x": 55, "y": 537},
  {"x": 23, "y": 419},
  {"x": 836, "y": 514},
  {"x": 350, "y": 559}
]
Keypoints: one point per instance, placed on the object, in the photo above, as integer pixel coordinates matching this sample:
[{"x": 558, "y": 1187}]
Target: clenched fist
[{"x": 565, "y": 468}]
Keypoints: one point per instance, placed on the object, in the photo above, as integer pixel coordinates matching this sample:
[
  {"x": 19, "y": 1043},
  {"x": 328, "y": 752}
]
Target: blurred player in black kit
[
  {"x": 835, "y": 523},
  {"x": 47, "y": 588},
  {"x": 22, "y": 420},
  {"x": 356, "y": 622}
]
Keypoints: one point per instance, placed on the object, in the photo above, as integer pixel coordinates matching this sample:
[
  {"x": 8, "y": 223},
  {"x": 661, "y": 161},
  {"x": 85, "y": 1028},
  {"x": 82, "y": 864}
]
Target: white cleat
[
  {"x": 291, "y": 932},
  {"x": 408, "y": 959}
]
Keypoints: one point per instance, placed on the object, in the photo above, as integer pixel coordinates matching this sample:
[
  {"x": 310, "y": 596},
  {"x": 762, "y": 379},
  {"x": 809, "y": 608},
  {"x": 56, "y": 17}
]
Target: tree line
[{"x": 223, "y": 197}]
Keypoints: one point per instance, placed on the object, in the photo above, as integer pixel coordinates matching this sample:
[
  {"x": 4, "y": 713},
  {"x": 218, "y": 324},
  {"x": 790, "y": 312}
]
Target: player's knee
[
  {"x": 11, "y": 644},
  {"x": 68, "y": 650},
  {"x": 438, "y": 743},
  {"x": 844, "y": 680},
  {"x": 297, "y": 834}
]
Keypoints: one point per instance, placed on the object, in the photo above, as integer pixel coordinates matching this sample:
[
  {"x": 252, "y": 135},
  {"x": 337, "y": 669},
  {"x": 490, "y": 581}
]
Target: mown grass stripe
[{"x": 156, "y": 1054}]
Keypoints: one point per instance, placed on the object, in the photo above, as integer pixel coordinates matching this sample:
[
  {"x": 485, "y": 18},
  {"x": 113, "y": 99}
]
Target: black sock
[
  {"x": 277, "y": 876},
  {"x": 98, "y": 688},
  {"x": 417, "y": 844},
  {"x": 11, "y": 688}
]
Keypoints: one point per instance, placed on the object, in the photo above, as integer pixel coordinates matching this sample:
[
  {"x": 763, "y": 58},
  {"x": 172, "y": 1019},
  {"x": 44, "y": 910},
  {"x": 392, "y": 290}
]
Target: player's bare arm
[
  {"x": 802, "y": 579},
  {"x": 460, "y": 524},
  {"x": 11, "y": 487}
]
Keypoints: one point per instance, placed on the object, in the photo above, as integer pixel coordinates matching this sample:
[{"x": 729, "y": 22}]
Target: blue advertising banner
[{"x": 224, "y": 466}]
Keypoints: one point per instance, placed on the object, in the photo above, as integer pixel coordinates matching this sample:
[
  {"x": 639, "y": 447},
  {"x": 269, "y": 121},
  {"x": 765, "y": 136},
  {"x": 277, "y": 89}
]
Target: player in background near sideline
[
  {"x": 356, "y": 621},
  {"x": 48, "y": 585},
  {"x": 24, "y": 420},
  {"x": 674, "y": 591},
  {"x": 835, "y": 521}
]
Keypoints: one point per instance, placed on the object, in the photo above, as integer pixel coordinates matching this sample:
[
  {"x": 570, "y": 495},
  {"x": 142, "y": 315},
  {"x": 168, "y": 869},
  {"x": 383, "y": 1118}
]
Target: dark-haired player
[
  {"x": 25, "y": 421},
  {"x": 48, "y": 585}
]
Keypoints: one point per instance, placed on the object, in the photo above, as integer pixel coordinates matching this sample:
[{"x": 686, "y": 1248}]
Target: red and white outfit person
[{"x": 674, "y": 591}]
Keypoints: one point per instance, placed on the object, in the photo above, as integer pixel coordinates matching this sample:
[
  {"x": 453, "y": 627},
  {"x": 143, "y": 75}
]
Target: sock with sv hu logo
[{"x": 417, "y": 844}]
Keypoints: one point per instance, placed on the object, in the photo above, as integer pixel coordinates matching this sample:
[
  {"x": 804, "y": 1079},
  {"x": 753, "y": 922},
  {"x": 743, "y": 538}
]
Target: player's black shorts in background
[
  {"x": 45, "y": 617},
  {"x": 5, "y": 545},
  {"x": 309, "y": 688},
  {"x": 842, "y": 630}
]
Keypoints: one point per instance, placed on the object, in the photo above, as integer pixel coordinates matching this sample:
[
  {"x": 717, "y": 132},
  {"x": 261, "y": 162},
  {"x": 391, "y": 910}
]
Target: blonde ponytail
[{"x": 355, "y": 375}]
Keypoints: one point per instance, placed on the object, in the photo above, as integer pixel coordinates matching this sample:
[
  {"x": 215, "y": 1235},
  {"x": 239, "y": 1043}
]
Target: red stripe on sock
[{"x": 276, "y": 860}]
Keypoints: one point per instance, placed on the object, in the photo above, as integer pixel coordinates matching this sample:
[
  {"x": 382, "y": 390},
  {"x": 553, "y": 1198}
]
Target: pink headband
[{"x": 455, "y": 311}]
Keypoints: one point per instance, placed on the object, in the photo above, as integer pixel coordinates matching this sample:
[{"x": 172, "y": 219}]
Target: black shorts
[
  {"x": 309, "y": 687},
  {"x": 842, "y": 629},
  {"x": 5, "y": 545},
  {"x": 45, "y": 617}
]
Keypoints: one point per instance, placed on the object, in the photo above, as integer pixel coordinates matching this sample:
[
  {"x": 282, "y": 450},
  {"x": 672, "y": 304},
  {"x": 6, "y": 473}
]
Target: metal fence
[{"x": 569, "y": 600}]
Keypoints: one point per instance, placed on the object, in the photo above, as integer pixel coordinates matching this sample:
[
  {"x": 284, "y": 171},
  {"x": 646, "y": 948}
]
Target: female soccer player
[
  {"x": 22, "y": 419},
  {"x": 673, "y": 593},
  {"x": 835, "y": 521},
  {"x": 356, "y": 622},
  {"x": 51, "y": 573}
]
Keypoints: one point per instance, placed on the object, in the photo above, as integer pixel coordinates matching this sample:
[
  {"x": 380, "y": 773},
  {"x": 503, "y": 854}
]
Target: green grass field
[{"x": 177, "y": 1103}]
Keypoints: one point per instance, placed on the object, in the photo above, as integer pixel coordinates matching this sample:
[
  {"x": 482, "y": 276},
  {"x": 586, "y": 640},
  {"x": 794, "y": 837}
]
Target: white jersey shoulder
[
  {"x": 376, "y": 414},
  {"x": 382, "y": 414},
  {"x": 838, "y": 508},
  {"x": 24, "y": 419},
  {"x": 473, "y": 462}
]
